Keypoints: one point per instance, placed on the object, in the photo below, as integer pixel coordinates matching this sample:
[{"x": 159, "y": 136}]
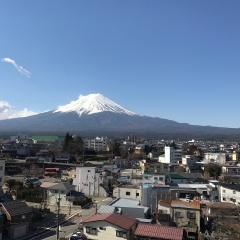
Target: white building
[
  {"x": 229, "y": 193},
  {"x": 84, "y": 180},
  {"x": 215, "y": 157},
  {"x": 88, "y": 181},
  {"x": 171, "y": 155},
  {"x": 97, "y": 144},
  {"x": 128, "y": 191}
]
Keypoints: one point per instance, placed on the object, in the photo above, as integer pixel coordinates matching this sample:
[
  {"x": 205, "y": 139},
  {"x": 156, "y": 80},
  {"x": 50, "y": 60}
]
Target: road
[{"x": 69, "y": 228}]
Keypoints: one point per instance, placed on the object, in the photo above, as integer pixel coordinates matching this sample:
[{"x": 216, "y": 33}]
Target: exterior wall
[
  {"x": 109, "y": 233},
  {"x": 154, "y": 178},
  {"x": 53, "y": 196},
  {"x": 2, "y": 171},
  {"x": 97, "y": 144},
  {"x": 14, "y": 230},
  {"x": 184, "y": 219},
  {"x": 217, "y": 157},
  {"x": 172, "y": 155},
  {"x": 229, "y": 195},
  {"x": 189, "y": 160},
  {"x": 150, "y": 194},
  {"x": 85, "y": 180},
  {"x": 125, "y": 192},
  {"x": 158, "y": 167}
]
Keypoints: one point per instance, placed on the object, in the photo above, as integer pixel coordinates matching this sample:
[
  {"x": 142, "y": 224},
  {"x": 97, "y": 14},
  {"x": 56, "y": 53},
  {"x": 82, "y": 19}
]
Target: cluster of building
[{"x": 164, "y": 195}]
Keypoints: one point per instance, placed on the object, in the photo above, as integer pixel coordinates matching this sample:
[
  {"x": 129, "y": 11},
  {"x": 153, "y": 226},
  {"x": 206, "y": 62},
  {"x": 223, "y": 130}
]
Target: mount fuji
[{"x": 95, "y": 112}]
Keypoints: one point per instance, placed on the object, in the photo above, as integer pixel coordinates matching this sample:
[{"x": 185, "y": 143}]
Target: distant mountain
[{"x": 98, "y": 113}]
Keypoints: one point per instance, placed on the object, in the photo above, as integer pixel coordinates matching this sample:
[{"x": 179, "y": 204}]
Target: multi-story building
[
  {"x": 214, "y": 157},
  {"x": 97, "y": 144},
  {"x": 171, "y": 155},
  {"x": 229, "y": 193},
  {"x": 84, "y": 180},
  {"x": 186, "y": 215}
]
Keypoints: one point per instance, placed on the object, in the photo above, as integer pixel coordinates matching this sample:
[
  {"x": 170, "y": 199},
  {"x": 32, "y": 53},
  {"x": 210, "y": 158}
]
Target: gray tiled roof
[{"x": 16, "y": 207}]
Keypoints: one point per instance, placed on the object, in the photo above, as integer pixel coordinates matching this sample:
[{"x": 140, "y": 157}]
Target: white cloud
[
  {"x": 7, "y": 111},
  {"x": 18, "y": 67}
]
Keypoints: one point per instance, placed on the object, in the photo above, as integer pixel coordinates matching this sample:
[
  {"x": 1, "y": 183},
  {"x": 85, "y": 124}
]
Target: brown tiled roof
[
  {"x": 119, "y": 220},
  {"x": 16, "y": 207},
  {"x": 179, "y": 203},
  {"x": 159, "y": 232},
  {"x": 165, "y": 203}
]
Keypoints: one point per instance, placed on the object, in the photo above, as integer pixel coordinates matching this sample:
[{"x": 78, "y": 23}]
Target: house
[
  {"x": 128, "y": 191},
  {"x": 186, "y": 215},
  {"x": 110, "y": 226},
  {"x": 164, "y": 212},
  {"x": 55, "y": 191},
  {"x": 17, "y": 217},
  {"x": 151, "y": 193},
  {"x": 156, "y": 232},
  {"x": 175, "y": 178},
  {"x": 229, "y": 193},
  {"x": 132, "y": 208},
  {"x": 155, "y": 167}
]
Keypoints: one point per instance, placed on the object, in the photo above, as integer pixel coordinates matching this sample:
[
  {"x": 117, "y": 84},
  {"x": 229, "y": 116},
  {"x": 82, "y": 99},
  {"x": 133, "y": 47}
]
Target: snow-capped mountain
[
  {"x": 97, "y": 113},
  {"x": 93, "y": 103}
]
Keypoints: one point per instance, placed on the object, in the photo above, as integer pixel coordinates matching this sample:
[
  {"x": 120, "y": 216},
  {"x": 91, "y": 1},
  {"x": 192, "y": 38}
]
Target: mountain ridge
[{"x": 101, "y": 114}]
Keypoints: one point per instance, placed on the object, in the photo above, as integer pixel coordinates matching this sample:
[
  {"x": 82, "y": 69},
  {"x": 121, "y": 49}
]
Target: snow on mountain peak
[{"x": 93, "y": 103}]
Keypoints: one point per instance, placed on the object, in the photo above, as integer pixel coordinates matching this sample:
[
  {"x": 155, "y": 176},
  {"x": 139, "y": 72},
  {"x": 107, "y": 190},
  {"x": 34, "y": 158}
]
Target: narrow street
[{"x": 67, "y": 229}]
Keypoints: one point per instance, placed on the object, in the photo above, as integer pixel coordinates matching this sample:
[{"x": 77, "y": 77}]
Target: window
[
  {"x": 178, "y": 214},
  {"x": 161, "y": 178},
  {"x": 89, "y": 170},
  {"x": 224, "y": 191},
  {"x": 191, "y": 215},
  {"x": 234, "y": 192},
  {"x": 137, "y": 194},
  {"x": 121, "y": 234},
  {"x": 102, "y": 228},
  {"x": 23, "y": 216},
  {"x": 224, "y": 199},
  {"x": 91, "y": 230},
  {"x": 1, "y": 168},
  {"x": 0, "y": 179},
  {"x": 128, "y": 193}
]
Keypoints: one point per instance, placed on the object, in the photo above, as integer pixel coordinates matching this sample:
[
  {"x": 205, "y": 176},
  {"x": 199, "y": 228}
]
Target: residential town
[{"x": 118, "y": 188}]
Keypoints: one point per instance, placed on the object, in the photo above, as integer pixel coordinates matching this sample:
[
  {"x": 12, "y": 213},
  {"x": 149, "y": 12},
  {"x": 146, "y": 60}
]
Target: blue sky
[{"x": 178, "y": 60}]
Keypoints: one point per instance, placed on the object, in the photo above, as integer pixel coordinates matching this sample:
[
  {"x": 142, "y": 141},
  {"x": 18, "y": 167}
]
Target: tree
[
  {"x": 214, "y": 170},
  {"x": 75, "y": 146},
  {"x": 114, "y": 147},
  {"x": 67, "y": 140}
]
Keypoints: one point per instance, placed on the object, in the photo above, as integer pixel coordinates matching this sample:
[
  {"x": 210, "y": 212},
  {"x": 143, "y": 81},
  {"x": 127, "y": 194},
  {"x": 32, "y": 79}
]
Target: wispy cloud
[
  {"x": 18, "y": 67},
  {"x": 7, "y": 111}
]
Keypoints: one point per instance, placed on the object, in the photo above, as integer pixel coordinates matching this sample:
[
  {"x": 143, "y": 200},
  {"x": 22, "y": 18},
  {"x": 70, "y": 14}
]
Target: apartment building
[{"x": 97, "y": 144}]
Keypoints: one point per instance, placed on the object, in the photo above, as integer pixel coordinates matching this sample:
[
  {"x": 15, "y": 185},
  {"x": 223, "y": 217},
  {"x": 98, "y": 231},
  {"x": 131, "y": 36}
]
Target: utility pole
[{"x": 58, "y": 214}]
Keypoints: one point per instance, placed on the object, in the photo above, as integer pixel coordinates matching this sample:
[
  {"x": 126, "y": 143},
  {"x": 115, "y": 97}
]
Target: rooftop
[
  {"x": 159, "y": 232},
  {"x": 119, "y": 220},
  {"x": 183, "y": 204}
]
